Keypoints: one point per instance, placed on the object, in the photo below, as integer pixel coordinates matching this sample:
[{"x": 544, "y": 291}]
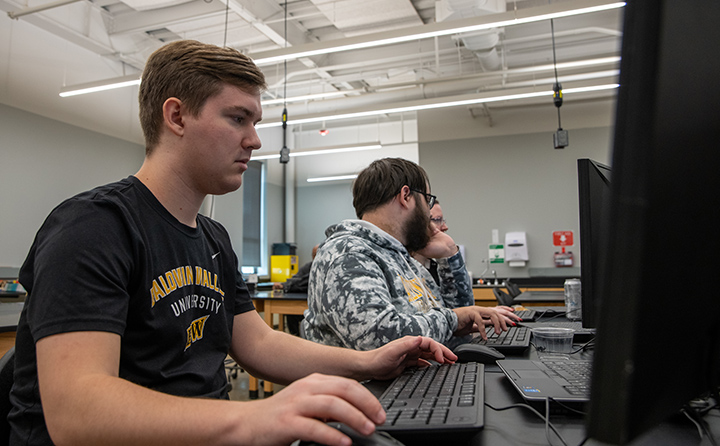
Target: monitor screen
[
  {"x": 658, "y": 335},
  {"x": 594, "y": 197}
]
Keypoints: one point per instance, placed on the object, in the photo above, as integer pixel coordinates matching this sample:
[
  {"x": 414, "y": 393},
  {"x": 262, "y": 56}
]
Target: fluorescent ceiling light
[
  {"x": 107, "y": 84},
  {"x": 134, "y": 79},
  {"x": 591, "y": 88},
  {"x": 564, "y": 65},
  {"x": 510, "y": 18},
  {"x": 308, "y": 97},
  {"x": 429, "y": 106},
  {"x": 515, "y": 17},
  {"x": 323, "y": 151},
  {"x": 335, "y": 178}
]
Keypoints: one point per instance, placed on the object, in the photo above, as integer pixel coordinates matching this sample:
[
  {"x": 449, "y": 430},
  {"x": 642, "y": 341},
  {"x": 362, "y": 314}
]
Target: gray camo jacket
[{"x": 365, "y": 290}]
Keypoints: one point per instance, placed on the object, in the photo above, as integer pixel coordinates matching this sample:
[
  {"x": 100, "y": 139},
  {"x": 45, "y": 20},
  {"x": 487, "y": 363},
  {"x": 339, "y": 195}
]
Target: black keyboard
[
  {"x": 515, "y": 338},
  {"x": 527, "y": 315},
  {"x": 574, "y": 375},
  {"x": 440, "y": 399}
]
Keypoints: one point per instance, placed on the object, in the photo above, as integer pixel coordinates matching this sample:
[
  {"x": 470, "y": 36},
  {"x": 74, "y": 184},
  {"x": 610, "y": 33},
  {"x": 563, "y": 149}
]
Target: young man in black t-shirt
[{"x": 134, "y": 299}]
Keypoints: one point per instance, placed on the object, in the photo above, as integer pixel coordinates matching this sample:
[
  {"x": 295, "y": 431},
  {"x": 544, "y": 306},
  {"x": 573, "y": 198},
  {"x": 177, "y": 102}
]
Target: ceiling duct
[
  {"x": 354, "y": 18},
  {"x": 483, "y": 44},
  {"x": 146, "y": 5}
]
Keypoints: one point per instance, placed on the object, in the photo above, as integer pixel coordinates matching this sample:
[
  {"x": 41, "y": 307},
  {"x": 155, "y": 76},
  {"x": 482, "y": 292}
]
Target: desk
[
  {"x": 484, "y": 296},
  {"x": 271, "y": 303},
  {"x": 274, "y": 302},
  {"x": 9, "y": 318},
  {"x": 10, "y": 315},
  {"x": 12, "y": 294},
  {"x": 542, "y": 297},
  {"x": 519, "y": 426}
]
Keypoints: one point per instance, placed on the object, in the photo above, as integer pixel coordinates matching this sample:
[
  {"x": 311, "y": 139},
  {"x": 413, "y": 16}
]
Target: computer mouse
[
  {"x": 477, "y": 353},
  {"x": 375, "y": 439}
]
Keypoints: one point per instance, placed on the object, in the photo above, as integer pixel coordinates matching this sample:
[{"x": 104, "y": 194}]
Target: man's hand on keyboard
[
  {"x": 393, "y": 358},
  {"x": 474, "y": 318}
]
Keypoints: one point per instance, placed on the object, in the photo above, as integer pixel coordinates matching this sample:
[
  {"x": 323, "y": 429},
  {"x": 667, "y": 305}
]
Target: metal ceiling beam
[
  {"x": 34, "y": 9},
  {"x": 141, "y": 21},
  {"x": 61, "y": 30},
  {"x": 425, "y": 31}
]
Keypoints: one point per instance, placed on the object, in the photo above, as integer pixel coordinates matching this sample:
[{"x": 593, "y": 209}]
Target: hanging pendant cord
[
  {"x": 557, "y": 88},
  {"x": 227, "y": 11}
]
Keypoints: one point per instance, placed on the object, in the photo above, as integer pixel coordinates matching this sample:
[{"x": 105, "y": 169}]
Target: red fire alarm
[{"x": 563, "y": 238}]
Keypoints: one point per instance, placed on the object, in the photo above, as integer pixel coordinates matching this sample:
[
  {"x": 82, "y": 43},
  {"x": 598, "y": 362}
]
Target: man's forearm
[{"x": 112, "y": 411}]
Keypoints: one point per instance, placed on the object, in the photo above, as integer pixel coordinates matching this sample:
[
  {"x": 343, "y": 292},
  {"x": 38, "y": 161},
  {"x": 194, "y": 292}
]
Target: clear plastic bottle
[{"x": 573, "y": 299}]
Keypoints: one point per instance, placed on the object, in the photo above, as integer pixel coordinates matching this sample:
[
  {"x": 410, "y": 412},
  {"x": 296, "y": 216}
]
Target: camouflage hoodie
[{"x": 366, "y": 290}]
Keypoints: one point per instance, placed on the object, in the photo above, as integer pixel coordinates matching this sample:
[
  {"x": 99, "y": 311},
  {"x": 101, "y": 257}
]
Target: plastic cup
[{"x": 553, "y": 339}]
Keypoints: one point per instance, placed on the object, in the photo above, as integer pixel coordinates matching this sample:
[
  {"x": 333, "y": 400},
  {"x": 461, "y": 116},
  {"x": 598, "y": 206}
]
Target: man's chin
[{"x": 226, "y": 187}]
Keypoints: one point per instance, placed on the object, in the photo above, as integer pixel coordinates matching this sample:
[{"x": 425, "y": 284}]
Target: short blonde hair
[{"x": 192, "y": 72}]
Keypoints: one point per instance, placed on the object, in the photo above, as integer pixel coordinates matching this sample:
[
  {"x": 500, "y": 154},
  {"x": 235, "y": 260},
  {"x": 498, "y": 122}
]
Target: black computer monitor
[
  {"x": 594, "y": 197},
  {"x": 658, "y": 335}
]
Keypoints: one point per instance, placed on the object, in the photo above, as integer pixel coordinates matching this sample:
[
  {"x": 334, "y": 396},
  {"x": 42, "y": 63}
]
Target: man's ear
[
  {"x": 173, "y": 112},
  {"x": 404, "y": 196}
]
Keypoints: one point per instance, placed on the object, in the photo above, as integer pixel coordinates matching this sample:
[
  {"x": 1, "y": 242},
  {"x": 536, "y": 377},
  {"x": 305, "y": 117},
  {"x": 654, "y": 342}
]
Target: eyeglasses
[
  {"x": 430, "y": 198},
  {"x": 439, "y": 221}
]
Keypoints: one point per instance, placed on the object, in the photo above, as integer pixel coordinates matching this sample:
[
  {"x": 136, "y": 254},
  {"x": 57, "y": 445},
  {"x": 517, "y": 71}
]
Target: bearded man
[{"x": 365, "y": 288}]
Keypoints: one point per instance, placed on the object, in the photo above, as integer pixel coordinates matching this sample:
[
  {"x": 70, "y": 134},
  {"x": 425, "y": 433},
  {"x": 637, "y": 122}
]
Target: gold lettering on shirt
[
  {"x": 195, "y": 331},
  {"x": 181, "y": 277},
  {"x": 416, "y": 294}
]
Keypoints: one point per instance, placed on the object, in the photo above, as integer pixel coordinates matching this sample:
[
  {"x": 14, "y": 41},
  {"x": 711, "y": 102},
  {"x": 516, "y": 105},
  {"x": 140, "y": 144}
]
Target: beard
[{"x": 417, "y": 230}]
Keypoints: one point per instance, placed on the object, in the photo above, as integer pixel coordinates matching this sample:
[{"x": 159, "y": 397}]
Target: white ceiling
[{"x": 91, "y": 40}]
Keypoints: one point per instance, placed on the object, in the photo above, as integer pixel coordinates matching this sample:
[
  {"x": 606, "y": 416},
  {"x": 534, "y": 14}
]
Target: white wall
[
  {"x": 43, "y": 162},
  {"x": 511, "y": 183},
  {"x": 25, "y": 47},
  {"x": 497, "y": 172},
  {"x": 506, "y": 176},
  {"x": 319, "y": 205}
]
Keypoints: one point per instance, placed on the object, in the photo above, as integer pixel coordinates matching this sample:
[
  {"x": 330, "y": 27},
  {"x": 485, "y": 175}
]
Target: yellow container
[{"x": 282, "y": 267}]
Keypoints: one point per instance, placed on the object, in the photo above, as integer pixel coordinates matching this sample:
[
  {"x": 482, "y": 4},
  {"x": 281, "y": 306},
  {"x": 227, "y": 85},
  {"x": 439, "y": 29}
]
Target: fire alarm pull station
[{"x": 563, "y": 239}]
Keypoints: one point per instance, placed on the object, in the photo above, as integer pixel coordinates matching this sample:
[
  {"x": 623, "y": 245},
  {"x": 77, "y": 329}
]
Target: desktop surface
[
  {"x": 10, "y": 315},
  {"x": 277, "y": 295},
  {"x": 508, "y": 419},
  {"x": 540, "y": 296}
]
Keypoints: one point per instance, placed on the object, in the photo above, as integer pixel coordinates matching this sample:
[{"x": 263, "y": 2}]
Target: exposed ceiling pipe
[
  {"x": 34, "y": 9},
  {"x": 429, "y": 90},
  {"x": 478, "y": 78},
  {"x": 367, "y": 69},
  {"x": 483, "y": 44},
  {"x": 571, "y": 32}
]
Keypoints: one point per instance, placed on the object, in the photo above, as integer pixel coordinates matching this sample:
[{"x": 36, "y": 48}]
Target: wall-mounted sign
[
  {"x": 563, "y": 238},
  {"x": 496, "y": 253}
]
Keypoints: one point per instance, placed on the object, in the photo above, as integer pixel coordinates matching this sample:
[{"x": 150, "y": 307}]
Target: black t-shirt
[{"x": 114, "y": 259}]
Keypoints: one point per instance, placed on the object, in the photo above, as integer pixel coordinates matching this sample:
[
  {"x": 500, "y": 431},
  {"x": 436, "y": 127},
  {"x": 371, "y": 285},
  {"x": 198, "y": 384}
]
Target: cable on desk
[
  {"x": 554, "y": 316},
  {"x": 701, "y": 431},
  {"x": 695, "y": 411},
  {"x": 548, "y": 424},
  {"x": 588, "y": 345},
  {"x": 542, "y": 313},
  {"x": 566, "y": 407}
]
